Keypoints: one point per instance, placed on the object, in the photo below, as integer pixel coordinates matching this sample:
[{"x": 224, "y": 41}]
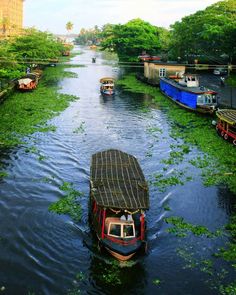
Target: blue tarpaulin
[{"x": 179, "y": 94}]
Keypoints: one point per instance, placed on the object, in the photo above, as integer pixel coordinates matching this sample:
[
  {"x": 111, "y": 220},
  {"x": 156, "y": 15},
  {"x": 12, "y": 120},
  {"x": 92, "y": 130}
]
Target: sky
[{"x": 52, "y": 15}]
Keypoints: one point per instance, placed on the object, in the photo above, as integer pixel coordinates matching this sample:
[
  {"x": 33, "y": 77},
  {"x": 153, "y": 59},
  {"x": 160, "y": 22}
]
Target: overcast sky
[{"x": 52, "y": 15}]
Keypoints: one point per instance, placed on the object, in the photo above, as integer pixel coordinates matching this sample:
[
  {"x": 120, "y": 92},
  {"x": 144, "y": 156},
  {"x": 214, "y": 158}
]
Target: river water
[{"x": 45, "y": 253}]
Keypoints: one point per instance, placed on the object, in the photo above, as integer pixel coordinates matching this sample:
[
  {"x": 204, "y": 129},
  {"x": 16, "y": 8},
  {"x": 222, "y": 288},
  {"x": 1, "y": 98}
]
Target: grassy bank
[
  {"x": 25, "y": 113},
  {"x": 231, "y": 80}
]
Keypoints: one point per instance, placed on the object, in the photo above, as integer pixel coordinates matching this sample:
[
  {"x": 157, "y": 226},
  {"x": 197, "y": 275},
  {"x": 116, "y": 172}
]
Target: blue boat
[{"x": 187, "y": 93}]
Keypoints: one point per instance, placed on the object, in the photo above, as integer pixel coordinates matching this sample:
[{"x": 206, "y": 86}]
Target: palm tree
[{"x": 69, "y": 26}]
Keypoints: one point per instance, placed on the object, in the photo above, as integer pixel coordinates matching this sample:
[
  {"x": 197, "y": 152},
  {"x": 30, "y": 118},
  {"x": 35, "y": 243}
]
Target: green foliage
[
  {"x": 156, "y": 282},
  {"x": 69, "y": 203},
  {"x": 207, "y": 32},
  {"x": 130, "y": 39},
  {"x": 9, "y": 68},
  {"x": 162, "y": 182},
  {"x": 181, "y": 228},
  {"x": 88, "y": 36},
  {"x": 25, "y": 113},
  {"x": 231, "y": 81},
  {"x": 33, "y": 46},
  {"x": 36, "y": 45},
  {"x": 197, "y": 131},
  {"x": 228, "y": 290}
]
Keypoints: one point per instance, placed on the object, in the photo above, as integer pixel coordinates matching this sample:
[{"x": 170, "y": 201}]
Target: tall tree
[
  {"x": 210, "y": 32},
  {"x": 69, "y": 26},
  {"x": 130, "y": 39}
]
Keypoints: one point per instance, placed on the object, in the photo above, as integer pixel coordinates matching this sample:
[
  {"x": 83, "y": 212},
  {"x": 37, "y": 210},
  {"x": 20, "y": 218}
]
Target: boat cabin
[
  {"x": 107, "y": 86},
  {"x": 118, "y": 200},
  {"x": 189, "y": 80},
  {"x": 226, "y": 125},
  {"x": 28, "y": 82}
]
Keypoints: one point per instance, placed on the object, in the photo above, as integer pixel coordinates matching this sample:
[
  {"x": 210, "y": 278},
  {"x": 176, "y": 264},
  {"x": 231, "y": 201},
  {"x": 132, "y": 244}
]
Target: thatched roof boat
[
  {"x": 226, "y": 125},
  {"x": 119, "y": 195}
]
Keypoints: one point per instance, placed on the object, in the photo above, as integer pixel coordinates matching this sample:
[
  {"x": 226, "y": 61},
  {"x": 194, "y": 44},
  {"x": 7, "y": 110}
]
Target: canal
[{"x": 46, "y": 253}]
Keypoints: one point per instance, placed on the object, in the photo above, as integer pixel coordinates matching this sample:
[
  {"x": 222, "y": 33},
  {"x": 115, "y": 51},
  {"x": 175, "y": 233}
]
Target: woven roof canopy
[
  {"x": 117, "y": 181},
  {"x": 227, "y": 115}
]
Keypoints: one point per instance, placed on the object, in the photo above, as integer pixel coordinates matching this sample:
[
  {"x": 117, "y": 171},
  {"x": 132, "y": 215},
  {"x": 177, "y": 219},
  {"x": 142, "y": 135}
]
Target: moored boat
[
  {"x": 226, "y": 125},
  {"x": 107, "y": 86},
  {"x": 27, "y": 82},
  {"x": 187, "y": 93},
  {"x": 118, "y": 200}
]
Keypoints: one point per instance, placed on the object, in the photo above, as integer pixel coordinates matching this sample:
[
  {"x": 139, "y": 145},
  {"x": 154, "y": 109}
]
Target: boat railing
[{"x": 123, "y": 241}]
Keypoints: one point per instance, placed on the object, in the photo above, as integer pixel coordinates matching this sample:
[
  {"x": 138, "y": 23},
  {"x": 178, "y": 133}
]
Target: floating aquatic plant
[{"x": 69, "y": 204}]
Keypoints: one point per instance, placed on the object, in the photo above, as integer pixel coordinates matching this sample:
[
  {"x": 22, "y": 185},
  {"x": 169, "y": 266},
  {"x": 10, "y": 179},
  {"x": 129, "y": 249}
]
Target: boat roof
[
  {"x": 197, "y": 90},
  {"x": 117, "y": 181},
  {"x": 105, "y": 79},
  {"x": 227, "y": 115}
]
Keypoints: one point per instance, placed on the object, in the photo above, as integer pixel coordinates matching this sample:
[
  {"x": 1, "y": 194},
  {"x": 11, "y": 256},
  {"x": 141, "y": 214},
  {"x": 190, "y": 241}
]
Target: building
[
  {"x": 153, "y": 71},
  {"x": 11, "y": 17}
]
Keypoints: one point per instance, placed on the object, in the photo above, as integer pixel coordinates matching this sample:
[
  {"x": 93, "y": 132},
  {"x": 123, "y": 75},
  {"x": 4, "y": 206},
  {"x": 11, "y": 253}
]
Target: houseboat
[
  {"x": 28, "y": 82},
  {"x": 119, "y": 198},
  {"x": 107, "y": 86},
  {"x": 187, "y": 93},
  {"x": 226, "y": 125}
]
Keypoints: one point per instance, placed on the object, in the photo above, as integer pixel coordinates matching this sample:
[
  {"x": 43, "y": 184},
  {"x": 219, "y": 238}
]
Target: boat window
[
  {"x": 208, "y": 98},
  {"x": 214, "y": 99},
  {"x": 200, "y": 99},
  {"x": 115, "y": 230},
  {"x": 128, "y": 231},
  {"x": 162, "y": 72}
]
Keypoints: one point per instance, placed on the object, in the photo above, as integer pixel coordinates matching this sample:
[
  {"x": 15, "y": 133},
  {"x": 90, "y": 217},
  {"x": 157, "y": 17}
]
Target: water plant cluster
[
  {"x": 23, "y": 114},
  {"x": 69, "y": 204}
]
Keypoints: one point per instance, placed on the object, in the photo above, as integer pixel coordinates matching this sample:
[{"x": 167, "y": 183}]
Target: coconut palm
[{"x": 69, "y": 26}]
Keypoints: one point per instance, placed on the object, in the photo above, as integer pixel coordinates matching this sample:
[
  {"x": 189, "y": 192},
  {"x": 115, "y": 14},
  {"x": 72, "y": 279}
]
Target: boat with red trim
[
  {"x": 187, "y": 93},
  {"x": 226, "y": 125},
  {"x": 119, "y": 198},
  {"x": 107, "y": 86},
  {"x": 28, "y": 82}
]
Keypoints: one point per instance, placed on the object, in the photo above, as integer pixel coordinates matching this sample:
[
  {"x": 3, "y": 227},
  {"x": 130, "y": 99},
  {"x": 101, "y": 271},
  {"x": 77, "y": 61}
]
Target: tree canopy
[
  {"x": 131, "y": 39},
  {"x": 34, "y": 46},
  {"x": 210, "y": 32}
]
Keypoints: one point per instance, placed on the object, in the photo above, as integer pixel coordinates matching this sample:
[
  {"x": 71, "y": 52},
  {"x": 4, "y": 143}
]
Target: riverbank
[{"x": 25, "y": 113}]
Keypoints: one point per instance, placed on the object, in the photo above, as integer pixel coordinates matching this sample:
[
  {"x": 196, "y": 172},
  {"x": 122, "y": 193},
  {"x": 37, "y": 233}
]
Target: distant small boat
[
  {"x": 226, "y": 125},
  {"x": 187, "y": 93},
  {"x": 27, "y": 82},
  {"x": 66, "y": 53},
  {"x": 107, "y": 86},
  {"x": 118, "y": 200},
  {"x": 93, "y": 46}
]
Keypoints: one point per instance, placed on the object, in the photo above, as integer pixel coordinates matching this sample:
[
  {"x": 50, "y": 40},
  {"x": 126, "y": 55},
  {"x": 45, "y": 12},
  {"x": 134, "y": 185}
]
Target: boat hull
[
  {"x": 107, "y": 92},
  {"x": 184, "y": 97}
]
